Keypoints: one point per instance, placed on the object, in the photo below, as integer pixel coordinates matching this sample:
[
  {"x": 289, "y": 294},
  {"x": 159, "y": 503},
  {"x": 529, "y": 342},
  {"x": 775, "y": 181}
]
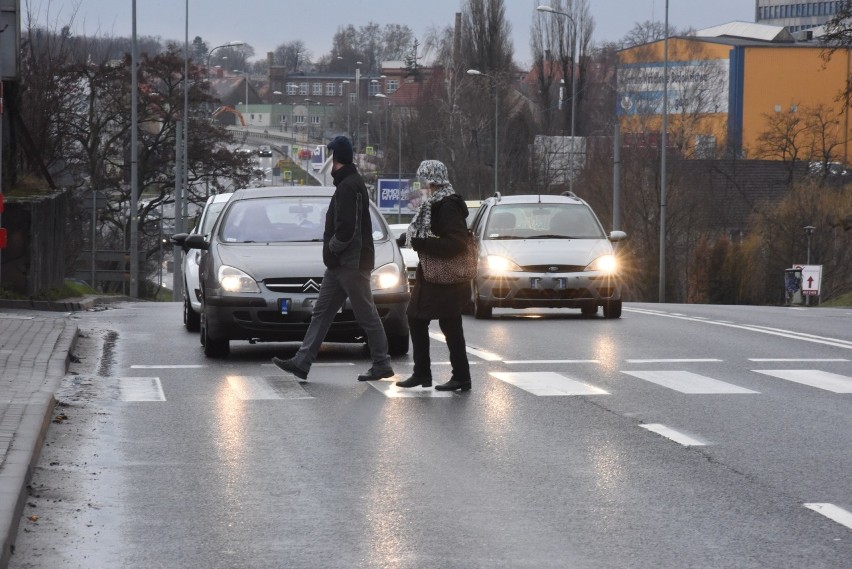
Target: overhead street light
[
  {"x": 478, "y": 73},
  {"x": 551, "y": 10}
]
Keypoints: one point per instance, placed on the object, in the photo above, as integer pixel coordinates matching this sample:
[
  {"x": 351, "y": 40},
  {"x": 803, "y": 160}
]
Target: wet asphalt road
[{"x": 555, "y": 459}]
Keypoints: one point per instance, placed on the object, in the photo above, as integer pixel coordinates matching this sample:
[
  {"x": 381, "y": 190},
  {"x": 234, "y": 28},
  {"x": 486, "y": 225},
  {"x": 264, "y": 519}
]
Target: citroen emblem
[{"x": 310, "y": 286}]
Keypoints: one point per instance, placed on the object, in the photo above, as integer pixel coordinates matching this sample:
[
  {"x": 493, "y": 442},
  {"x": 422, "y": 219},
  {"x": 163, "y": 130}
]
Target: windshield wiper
[{"x": 553, "y": 237}]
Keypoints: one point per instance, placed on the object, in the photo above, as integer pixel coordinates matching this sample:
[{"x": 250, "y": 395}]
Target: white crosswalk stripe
[
  {"x": 812, "y": 377},
  {"x": 688, "y": 382},
  {"x": 672, "y": 434},
  {"x": 136, "y": 389},
  {"x": 547, "y": 383}
]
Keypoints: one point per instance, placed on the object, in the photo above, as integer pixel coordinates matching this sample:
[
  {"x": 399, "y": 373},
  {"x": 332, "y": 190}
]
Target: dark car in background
[
  {"x": 261, "y": 270},
  {"x": 538, "y": 251}
]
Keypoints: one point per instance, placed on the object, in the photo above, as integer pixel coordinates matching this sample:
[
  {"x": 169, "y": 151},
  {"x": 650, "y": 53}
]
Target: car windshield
[
  {"x": 543, "y": 221},
  {"x": 283, "y": 219}
]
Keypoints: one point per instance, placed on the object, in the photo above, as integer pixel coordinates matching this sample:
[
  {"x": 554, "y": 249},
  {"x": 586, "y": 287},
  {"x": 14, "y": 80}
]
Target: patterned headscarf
[{"x": 432, "y": 172}]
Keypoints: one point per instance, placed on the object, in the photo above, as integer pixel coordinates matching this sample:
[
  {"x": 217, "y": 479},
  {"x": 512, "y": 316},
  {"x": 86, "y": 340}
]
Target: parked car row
[{"x": 254, "y": 265}]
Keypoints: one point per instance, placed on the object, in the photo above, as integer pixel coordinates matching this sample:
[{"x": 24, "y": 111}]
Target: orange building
[{"x": 726, "y": 91}]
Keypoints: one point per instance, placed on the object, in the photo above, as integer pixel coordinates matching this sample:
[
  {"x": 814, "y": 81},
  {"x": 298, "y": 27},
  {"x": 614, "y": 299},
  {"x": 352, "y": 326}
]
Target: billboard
[
  {"x": 398, "y": 196},
  {"x": 698, "y": 86}
]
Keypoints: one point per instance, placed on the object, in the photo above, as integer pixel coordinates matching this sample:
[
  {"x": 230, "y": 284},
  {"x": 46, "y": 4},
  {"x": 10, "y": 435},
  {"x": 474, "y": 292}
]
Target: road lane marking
[
  {"x": 832, "y": 512},
  {"x": 139, "y": 389},
  {"x": 547, "y": 383},
  {"x": 326, "y": 364},
  {"x": 673, "y": 361},
  {"x": 252, "y": 388},
  {"x": 836, "y": 342},
  {"x": 478, "y": 352},
  {"x": 673, "y": 435},
  {"x": 798, "y": 360},
  {"x": 391, "y": 390},
  {"x": 688, "y": 382},
  {"x": 512, "y": 362},
  {"x": 812, "y": 377},
  {"x": 192, "y": 366}
]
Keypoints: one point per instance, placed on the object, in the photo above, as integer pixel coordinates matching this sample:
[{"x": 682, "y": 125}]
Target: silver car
[
  {"x": 544, "y": 251},
  {"x": 261, "y": 270},
  {"x": 191, "y": 259}
]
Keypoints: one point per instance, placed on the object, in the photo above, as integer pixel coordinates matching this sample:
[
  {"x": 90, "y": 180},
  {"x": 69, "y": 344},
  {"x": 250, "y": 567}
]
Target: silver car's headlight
[
  {"x": 498, "y": 264},
  {"x": 385, "y": 277},
  {"x": 606, "y": 264},
  {"x": 234, "y": 280}
]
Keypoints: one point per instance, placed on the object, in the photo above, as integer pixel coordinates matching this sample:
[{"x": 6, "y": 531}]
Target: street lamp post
[
  {"x": 496, "y": 114},
  {"x": 663, "y": 152},
  {"x": 573, "y": 85},
  {"x": 348, "y": 107},
  {"x": 809, "y": 230},
  {"x": 399, "y": 163}
]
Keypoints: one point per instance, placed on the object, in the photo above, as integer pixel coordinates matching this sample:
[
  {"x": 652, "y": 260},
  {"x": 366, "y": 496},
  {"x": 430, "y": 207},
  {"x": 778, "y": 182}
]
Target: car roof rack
[
  {"x": 497, "y": 195},
  {"x": 569, "y": 194}
]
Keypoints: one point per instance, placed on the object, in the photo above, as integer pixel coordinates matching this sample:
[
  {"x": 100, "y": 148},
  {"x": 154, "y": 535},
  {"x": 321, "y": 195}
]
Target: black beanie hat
[{"x": 341, "y": 149}]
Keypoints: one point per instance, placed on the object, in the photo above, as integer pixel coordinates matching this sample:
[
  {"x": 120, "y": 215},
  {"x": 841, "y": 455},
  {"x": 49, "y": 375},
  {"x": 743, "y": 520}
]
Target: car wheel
[
  {"x": 612, "y": 309},
  {"x": 481, "y": 309},
  {"x": 213, "y": 347},
  {"x": 398, "y": 345},
  {"x": 191, "y": 319},
  {"x": 589, "y": 310}
]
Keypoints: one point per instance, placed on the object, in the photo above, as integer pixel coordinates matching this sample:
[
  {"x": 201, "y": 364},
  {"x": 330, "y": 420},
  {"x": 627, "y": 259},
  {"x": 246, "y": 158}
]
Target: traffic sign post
[{"x": 811, "y": 279}]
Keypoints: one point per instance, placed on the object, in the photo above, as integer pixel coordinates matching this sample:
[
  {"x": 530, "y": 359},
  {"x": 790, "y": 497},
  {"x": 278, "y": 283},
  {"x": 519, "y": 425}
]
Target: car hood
[
  {"x": 526, "y": 252},
  {"x": 263, "y": 261}
]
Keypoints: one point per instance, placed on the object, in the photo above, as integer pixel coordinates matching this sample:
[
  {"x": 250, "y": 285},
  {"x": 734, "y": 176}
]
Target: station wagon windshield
[{"x": 543, "y": 221}]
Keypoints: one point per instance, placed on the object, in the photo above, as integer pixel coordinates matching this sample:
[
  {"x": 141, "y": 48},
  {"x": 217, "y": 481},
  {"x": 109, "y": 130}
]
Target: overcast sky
[{"x": 265, "y": 24}]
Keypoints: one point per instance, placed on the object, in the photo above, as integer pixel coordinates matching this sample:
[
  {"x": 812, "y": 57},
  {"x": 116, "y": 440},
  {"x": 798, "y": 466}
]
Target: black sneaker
[
  {"x": 376, "y": 373},
  {"x": 290, "y": 367}
]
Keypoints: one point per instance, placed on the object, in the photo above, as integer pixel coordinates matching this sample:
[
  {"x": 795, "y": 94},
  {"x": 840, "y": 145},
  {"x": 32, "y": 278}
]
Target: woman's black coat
[{"x": 434, "y": 301}]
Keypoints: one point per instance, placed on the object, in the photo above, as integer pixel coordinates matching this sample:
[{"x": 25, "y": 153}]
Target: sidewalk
[{"x": 36, "y": 339}]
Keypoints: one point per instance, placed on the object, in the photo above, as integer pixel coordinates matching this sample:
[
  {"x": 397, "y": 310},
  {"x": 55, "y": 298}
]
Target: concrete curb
[
  {"x": 23, "y": 456},
  {"x": 67, "y": 305}
]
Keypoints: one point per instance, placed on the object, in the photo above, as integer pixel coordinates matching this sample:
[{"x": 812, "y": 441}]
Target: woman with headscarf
[{"x": 438, "y": 229}]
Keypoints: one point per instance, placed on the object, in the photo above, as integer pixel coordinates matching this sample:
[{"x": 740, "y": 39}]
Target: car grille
[
  {"x": 294, "y": 285},
  {"x": 553, "y": 268},
  {"x": 552, "y": 294}
]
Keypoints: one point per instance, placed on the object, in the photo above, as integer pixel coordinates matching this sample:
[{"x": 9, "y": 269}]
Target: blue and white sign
[{"x": 398, "y": 196}]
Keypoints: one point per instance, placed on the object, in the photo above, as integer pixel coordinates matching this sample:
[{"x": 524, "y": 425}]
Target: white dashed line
[
  {"x": 139, "y": 389},
  {"x": 512, "y": 362},
  {"x": 832, "y": 512},
  {"x": 798, "y": 360},
  {"x": 673, "y": 361},
  {"x": 193, "y": 366},
  {"x": 673, "y": 435}
]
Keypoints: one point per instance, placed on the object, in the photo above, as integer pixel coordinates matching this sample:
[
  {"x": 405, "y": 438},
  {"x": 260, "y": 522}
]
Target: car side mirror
[
  {"x": 616, "y": 236},
  {"x": 187, "y": 241}
]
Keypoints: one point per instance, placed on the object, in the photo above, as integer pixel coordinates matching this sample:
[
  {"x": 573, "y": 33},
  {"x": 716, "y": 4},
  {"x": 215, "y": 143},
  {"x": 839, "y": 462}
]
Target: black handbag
[{"x": 451, "y": 270}]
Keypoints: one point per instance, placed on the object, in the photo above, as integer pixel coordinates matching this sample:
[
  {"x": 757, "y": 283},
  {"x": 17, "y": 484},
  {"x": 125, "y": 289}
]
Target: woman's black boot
[
  {"x": 415, "y": 381},
  {"x": 454, "y": 384}
]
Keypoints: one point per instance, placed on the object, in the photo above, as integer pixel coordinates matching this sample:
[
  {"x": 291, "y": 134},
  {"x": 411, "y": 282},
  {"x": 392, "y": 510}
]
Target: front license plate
[{"x": 284, "y": 305}]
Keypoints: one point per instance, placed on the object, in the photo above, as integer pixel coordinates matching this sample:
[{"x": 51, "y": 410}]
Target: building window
[
  {"x": 298, "y": 119},
  {"x": 352, "y": 98},
  {"x": 291, "y": 88},
  {"x": 303, "y": 88},
  {"x": 393, "y": 85},
  {"x": 329, "y": 89},
  {"x": 316, "y": 89},
  {"x": 315, "y": 119},
  {"x": 375, "y": 88}
]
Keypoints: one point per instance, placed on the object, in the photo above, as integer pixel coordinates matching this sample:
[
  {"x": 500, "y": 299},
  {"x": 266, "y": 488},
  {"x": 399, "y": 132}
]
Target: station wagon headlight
[
  {"x": 234, "y": 280},
  {"x": 386, "y": 276},
  {"x": 498, "y": 264},
  {"x": 605, "y": 264}
]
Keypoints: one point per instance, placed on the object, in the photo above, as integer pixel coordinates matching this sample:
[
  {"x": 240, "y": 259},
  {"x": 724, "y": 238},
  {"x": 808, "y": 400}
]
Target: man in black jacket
[{"x": 349, "y": 255}]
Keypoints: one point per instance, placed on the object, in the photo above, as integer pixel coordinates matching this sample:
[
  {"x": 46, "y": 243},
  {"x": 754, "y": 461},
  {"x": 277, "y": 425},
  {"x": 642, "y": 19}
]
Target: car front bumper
[
  {"x": 547, "y": 290},
  {"x": 258, "y": 317}
]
